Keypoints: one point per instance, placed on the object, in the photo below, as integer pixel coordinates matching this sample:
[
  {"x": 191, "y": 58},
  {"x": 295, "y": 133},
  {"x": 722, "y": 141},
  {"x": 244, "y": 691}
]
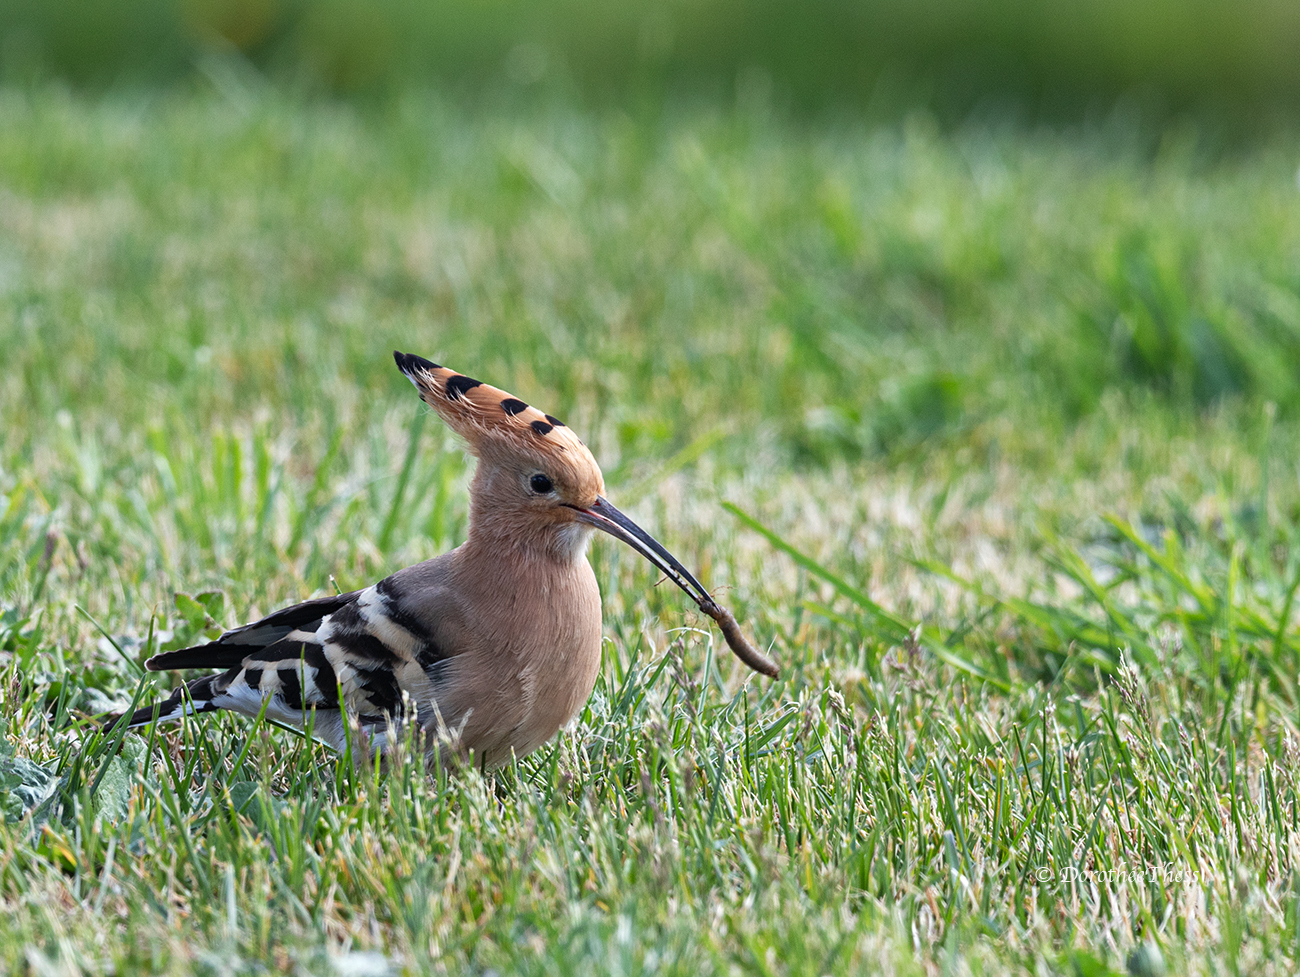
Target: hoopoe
[{"x": 493, "y": 646}]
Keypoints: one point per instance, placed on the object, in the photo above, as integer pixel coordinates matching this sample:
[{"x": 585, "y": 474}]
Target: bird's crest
[{"x": 489, "y": 418}]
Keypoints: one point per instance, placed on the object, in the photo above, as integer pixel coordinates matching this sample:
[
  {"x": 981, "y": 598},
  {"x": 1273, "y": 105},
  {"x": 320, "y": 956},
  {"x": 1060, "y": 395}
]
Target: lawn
[{"x": 988, "y": 433}]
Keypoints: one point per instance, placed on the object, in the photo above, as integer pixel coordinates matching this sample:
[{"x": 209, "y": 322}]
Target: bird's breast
[{"x": 533, "y": 663}]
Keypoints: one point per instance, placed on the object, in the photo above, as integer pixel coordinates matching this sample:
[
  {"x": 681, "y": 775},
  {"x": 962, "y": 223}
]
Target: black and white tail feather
[{"x": 361, "y": 646}]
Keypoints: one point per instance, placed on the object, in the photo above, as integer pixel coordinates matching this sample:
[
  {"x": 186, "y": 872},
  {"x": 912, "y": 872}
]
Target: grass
[
  {"x": 990, "y": 435},
  {"x": 1232, "y": 62}
]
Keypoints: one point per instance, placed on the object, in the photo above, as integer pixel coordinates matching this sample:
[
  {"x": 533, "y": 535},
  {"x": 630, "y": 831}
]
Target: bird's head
[{"x": 537, "y": 484}]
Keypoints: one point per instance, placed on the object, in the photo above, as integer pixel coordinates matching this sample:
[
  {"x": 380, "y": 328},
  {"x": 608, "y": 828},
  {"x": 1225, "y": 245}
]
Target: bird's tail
[{"x": 185, "y": 700}]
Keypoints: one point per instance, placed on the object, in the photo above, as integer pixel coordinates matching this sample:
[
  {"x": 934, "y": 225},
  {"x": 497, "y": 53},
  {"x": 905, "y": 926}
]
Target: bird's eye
[{"x": 541, "y": 484}]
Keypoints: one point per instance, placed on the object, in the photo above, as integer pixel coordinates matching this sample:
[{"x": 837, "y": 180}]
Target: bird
[{"x": 487, "y": 650}]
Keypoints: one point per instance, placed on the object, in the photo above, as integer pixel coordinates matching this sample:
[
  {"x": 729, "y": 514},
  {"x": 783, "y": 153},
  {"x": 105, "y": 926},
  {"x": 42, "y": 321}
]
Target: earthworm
[{"x": 738, "y": 643}]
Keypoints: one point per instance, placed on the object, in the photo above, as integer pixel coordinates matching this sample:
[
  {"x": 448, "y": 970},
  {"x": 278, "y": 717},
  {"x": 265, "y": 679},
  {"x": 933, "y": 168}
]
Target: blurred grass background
[
  {"x": 989, "y": 432},
  {"x": 951, "y": 56},
  {"x": 957, "y": 345}
]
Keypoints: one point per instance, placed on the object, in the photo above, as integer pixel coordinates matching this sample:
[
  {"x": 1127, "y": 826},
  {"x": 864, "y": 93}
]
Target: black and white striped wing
[
  {"x": 361, "y": 653},
  {"x": 385, "y": 660}
]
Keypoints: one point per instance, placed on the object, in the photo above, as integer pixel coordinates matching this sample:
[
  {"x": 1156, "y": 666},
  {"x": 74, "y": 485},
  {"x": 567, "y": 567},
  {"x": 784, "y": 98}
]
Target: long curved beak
[{"x": 606, "y": 518}]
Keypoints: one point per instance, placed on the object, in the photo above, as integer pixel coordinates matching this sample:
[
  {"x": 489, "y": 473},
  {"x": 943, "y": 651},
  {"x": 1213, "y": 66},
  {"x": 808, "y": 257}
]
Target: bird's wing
[
  {"x": 233, "y": 646},
  {"x": 386, "y": 657},
  {"x": 373, "y": 647}
]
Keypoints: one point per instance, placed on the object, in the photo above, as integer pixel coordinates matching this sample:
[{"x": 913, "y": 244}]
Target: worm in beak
[{"x": 608, "y": 519}]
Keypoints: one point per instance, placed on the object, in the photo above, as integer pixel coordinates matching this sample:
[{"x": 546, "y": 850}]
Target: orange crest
[{"x": 494, "y": 422}]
